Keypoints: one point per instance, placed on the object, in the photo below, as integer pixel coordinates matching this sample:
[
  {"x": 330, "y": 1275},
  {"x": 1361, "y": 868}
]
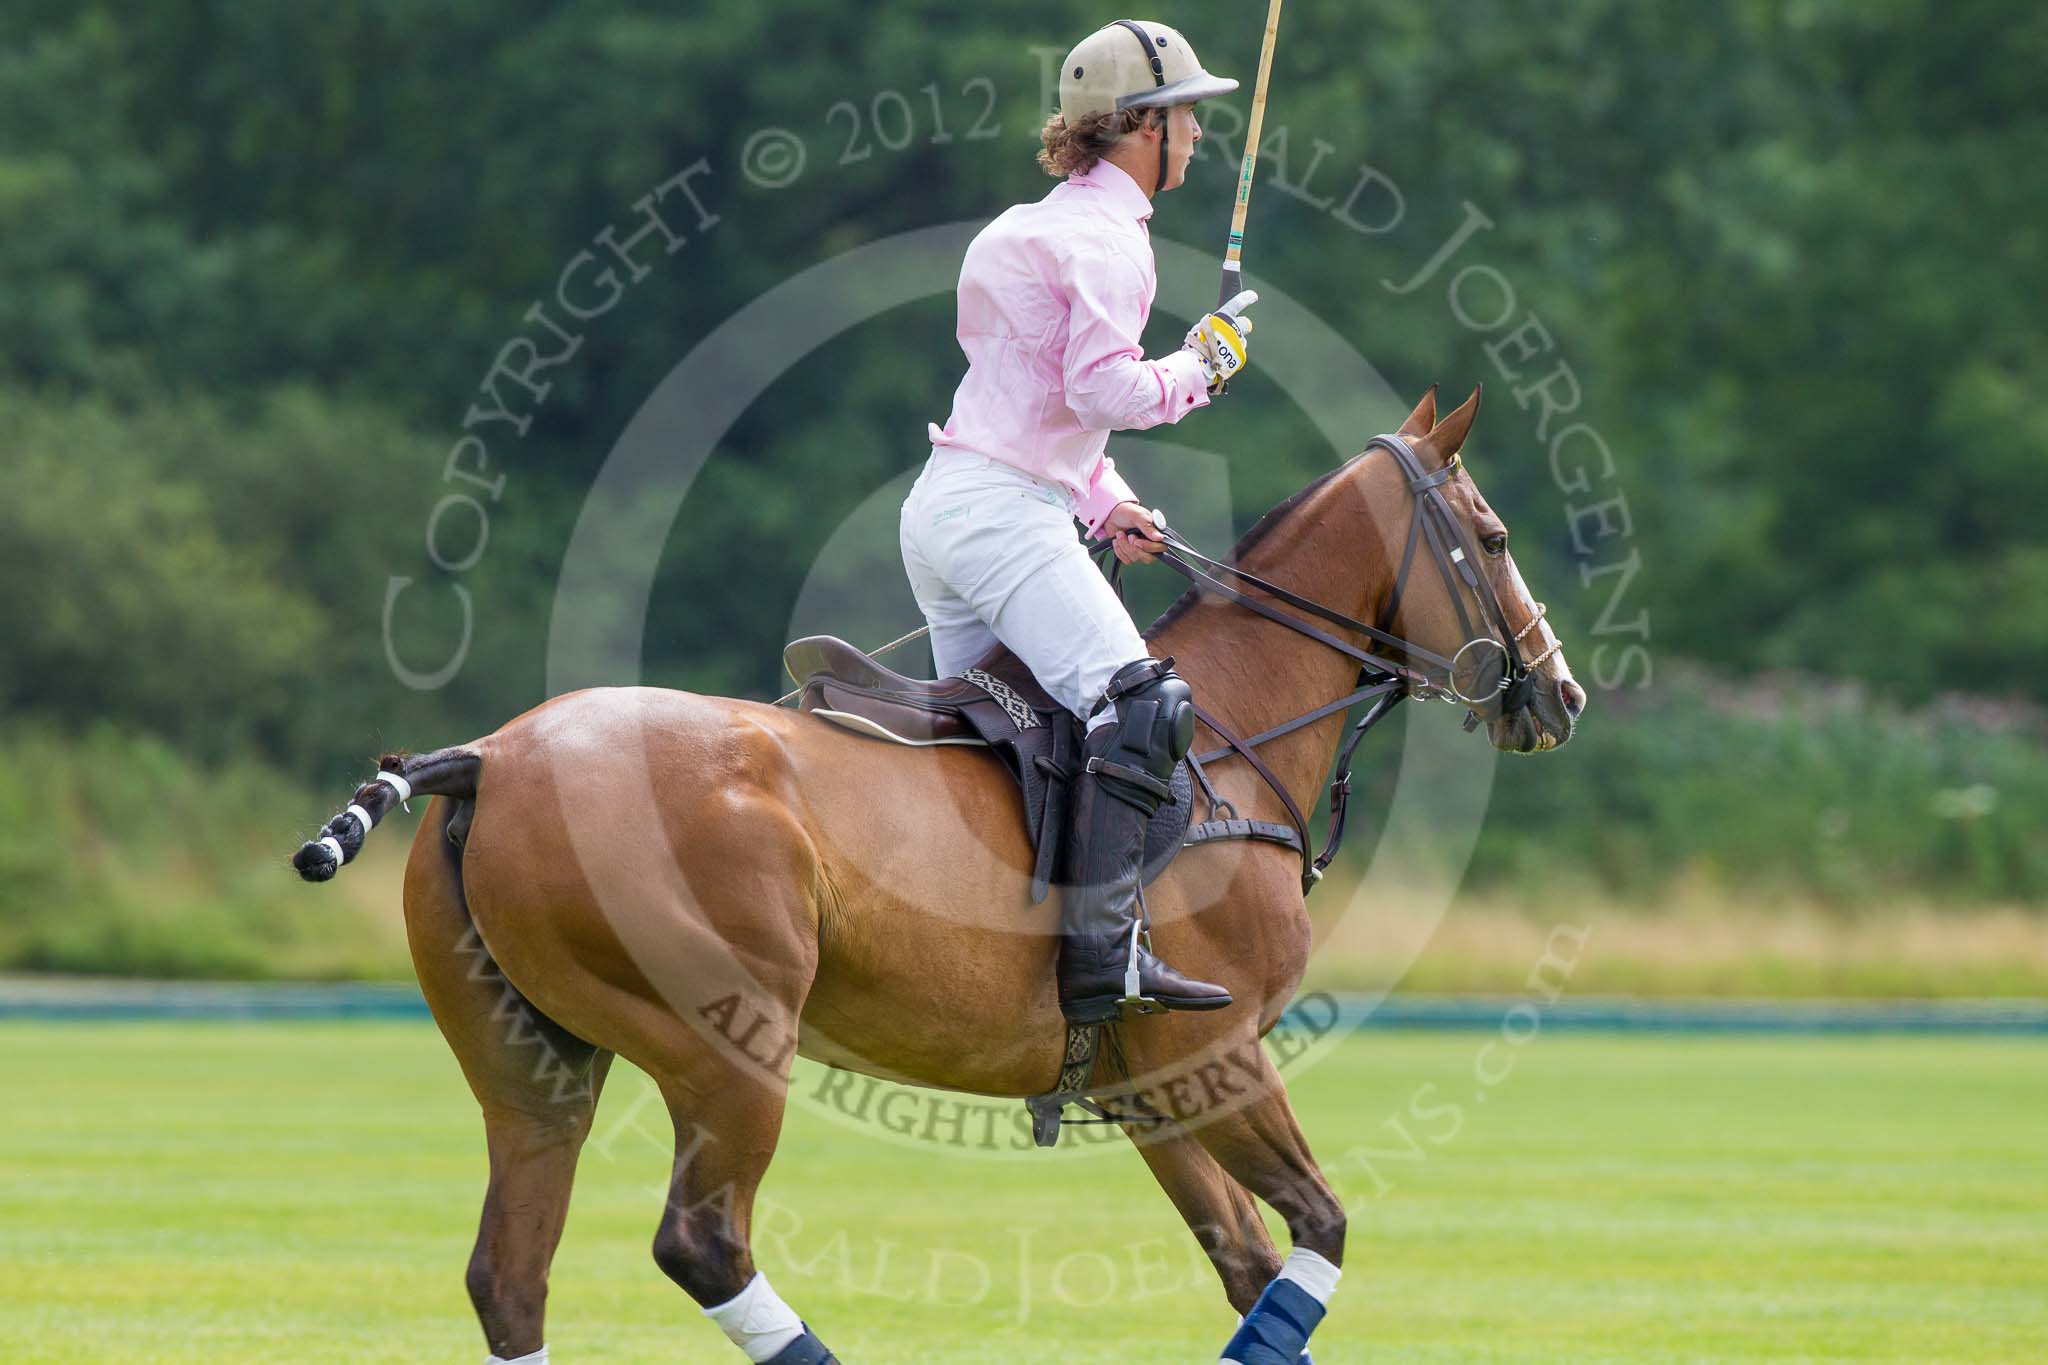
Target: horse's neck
[{"x": 1252, "y": 673}]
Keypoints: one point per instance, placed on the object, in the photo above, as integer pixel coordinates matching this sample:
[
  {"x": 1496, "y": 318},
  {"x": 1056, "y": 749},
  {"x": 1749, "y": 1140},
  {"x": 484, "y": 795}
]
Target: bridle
[{"x": 1384, "y": 681}]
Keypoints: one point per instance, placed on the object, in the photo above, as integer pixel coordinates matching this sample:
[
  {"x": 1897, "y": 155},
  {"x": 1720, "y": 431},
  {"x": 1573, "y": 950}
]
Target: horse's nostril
[{"x": 1573, "y": 696}]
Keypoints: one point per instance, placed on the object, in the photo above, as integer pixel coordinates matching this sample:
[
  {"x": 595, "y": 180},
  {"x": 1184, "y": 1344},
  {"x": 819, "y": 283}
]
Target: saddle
[{"x": 995, "y": 704}]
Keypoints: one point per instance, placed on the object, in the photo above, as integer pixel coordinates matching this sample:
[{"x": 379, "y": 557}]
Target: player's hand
[
  {"x": 1133, "y": 534},
  {"x": 1219, "y": 340}
]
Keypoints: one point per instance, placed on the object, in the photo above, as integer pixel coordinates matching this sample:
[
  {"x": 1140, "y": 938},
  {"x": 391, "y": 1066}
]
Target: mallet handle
[{"x": 1233, "y": 274}]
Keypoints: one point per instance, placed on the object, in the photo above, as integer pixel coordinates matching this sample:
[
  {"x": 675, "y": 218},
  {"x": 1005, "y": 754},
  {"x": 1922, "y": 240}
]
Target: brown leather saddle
[{"x": 995, "y": 704}]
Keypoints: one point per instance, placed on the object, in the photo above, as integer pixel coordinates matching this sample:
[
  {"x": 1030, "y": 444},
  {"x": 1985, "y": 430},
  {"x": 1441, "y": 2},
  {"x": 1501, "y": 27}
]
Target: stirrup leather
[{"x": 1077, "y": 1067}]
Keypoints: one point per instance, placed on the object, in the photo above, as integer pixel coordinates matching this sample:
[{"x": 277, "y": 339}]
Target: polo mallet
[{"x": 1233, "y": 274}]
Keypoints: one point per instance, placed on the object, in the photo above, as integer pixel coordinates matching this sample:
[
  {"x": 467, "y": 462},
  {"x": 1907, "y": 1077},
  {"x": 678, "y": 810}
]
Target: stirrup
[
  {"x": 1112, "y": 1009},
  {"x": 1141, "y": 930},
  {"x": 1077, "y": 1067}
]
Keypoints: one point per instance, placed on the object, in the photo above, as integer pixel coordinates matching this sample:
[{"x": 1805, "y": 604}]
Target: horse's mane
[{"x": 1261, "y": 528}]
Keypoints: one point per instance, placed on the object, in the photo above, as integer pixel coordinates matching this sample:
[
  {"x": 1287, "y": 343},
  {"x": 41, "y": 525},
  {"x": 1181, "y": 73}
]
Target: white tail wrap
[
  {"x": 333, "y": 845},
  {"x": 362, "y": 818},
  {"x": 399, "y": 785}
]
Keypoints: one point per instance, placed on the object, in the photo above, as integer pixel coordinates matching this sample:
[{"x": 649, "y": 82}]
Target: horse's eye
[{"x": 1496, "y": 544}]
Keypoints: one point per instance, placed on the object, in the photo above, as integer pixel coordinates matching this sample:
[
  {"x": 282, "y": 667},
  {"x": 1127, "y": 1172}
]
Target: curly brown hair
[{"x": 1077, "y": 149}]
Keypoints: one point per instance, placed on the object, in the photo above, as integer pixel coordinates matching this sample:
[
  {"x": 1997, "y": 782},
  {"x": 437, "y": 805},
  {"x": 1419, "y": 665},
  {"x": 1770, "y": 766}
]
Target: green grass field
[{"x": 217, "y": 1193}]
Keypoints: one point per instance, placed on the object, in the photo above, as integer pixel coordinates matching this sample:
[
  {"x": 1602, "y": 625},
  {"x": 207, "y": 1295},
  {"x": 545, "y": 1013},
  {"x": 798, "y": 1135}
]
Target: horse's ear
[
  {"x": 1447, "y": 437},
  {"x": 1423, "y": 418}
]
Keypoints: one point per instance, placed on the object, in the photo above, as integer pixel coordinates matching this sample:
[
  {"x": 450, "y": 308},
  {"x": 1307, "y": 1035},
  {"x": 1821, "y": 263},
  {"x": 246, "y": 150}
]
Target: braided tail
[{"x": 400, "y": 777}]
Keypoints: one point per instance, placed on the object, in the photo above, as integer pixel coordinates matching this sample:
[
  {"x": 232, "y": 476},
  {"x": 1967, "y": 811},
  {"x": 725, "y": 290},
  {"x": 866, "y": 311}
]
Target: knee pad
[{"x": 1155, "y": 715}]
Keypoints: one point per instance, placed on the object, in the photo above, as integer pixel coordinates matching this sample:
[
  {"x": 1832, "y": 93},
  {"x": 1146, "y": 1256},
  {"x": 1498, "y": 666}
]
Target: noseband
[{"x": 1420, "y": 673}]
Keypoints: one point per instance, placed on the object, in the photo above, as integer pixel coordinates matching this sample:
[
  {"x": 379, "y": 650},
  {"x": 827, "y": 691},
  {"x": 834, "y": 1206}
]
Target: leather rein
[{"x": 1420, "y": 673}]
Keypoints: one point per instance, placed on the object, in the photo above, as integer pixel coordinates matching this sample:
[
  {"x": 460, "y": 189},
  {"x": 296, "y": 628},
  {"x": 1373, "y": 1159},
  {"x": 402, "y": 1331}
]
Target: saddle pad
[
  {"x": 1168, "y": 827},
  {"x": 874, "y": 729}
]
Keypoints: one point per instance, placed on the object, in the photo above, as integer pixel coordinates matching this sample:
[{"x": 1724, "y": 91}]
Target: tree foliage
[{"x": 256, "y": 260}]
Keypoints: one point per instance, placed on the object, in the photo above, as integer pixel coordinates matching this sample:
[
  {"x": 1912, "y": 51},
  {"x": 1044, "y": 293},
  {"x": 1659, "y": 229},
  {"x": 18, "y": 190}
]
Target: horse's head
[{"x": 1461, "y": 598}]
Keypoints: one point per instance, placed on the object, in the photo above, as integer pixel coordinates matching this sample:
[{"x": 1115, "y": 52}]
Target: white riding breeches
[{"x": 993, "y": 553}]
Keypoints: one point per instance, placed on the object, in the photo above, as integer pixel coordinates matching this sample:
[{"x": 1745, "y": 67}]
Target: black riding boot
[{"x": 1102, "y": 962}]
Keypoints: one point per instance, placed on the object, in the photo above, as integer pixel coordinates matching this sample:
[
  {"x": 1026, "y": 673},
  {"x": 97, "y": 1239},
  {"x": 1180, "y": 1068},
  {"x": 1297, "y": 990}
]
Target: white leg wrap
[
  {"x": 757, "y": 1320},
  {"x": 539, "y": 1357},
  {"x": 1312, "y": 1272}
]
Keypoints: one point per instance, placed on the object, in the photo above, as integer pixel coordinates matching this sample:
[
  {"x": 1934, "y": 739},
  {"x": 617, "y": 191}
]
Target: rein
[{"x": 1381, "y": 679}]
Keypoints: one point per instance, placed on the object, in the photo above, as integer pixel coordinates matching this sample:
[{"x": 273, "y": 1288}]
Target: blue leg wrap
[
  {"x": 805, "y": 1350},
  {"x": 1276, "y": 1331}
]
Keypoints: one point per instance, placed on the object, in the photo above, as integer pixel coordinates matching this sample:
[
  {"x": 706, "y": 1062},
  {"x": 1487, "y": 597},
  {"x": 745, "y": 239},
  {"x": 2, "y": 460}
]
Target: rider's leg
[
  {"x": 1066, "y": 623},
  {"x": 1002, "y": 543},
  {"x": 1128, "y": 764},
  {"x": 985, "y": 542}
]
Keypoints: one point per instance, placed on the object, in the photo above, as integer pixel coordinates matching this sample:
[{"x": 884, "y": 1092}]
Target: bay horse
[{"x": 711, "y": 887}]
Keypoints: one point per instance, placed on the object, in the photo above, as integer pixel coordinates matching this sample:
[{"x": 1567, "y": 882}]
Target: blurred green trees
[{"x": 255, "y": 260}]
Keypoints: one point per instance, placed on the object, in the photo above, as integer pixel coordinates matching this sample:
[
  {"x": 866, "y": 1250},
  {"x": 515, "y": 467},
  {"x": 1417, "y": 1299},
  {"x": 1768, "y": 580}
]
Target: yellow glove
[{"x": 1218, "y": 340}]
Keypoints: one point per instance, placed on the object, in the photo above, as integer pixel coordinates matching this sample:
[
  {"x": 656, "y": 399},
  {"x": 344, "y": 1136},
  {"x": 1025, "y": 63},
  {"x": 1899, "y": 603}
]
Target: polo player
[{"x": 1053, "y": 297}]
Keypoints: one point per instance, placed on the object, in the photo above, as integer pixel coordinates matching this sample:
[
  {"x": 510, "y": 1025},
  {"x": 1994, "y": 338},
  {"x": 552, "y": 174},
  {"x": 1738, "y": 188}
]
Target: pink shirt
[{"x": 1053, "y": 296}]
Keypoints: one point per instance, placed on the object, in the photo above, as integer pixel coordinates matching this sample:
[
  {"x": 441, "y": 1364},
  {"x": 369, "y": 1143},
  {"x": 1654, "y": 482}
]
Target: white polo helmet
[{"x": 1134, "y": 65}]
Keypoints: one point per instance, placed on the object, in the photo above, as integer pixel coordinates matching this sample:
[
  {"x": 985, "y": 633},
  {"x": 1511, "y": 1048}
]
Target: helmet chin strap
[{"x": 1158, "y": 68}]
